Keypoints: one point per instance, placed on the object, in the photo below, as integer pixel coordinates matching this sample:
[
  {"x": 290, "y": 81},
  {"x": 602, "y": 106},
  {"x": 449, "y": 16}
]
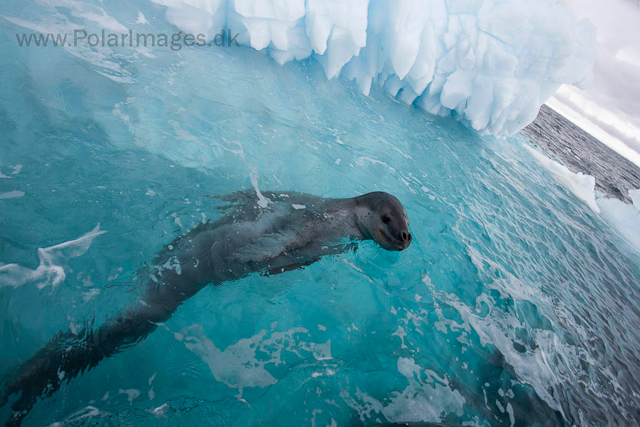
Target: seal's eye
[{"x": 386, "y": 219}]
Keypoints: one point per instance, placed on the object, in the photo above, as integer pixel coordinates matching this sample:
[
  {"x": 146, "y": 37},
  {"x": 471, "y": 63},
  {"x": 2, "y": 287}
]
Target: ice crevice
[{"x": 488, "y": 63}]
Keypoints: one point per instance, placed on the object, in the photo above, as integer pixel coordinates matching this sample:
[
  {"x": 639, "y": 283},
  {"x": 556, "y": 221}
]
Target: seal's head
[{"x": 381, "y": 217}]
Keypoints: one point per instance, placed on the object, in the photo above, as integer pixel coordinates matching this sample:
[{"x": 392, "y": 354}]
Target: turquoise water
[{"x": 515, "y": 304}]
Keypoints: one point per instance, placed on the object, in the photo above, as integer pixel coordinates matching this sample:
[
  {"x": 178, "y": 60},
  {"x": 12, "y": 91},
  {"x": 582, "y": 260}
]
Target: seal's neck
[{"x": 350, "y": 217}]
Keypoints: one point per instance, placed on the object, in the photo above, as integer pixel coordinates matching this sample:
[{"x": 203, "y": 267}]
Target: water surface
[{"x": 515, "y": 303}]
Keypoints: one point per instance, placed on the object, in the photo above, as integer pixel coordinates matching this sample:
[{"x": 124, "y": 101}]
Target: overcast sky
[{"x": 610, "y": 109}]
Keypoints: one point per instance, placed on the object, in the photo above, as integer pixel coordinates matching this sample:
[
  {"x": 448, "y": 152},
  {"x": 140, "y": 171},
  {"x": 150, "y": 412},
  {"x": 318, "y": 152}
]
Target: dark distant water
[{"x": 581, "y": 152}]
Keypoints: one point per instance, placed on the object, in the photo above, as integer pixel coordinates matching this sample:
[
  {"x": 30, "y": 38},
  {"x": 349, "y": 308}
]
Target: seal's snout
[{"x": 404, "y": 240}]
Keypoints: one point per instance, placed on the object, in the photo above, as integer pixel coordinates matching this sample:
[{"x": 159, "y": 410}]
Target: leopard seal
[{"x": 267, "y": 233}]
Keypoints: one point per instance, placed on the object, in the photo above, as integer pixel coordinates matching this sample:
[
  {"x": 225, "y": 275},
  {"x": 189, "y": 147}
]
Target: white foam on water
[
  {"x": 53, "y": 259},
  {"x": 400, "y": 333},
  {"x": 89, "y": 295},
  {"x": 141, "y": 19},
  {"x": 426, "y": 400},
  {"x": 132, "y": 394},
  {"x": 512, "y": 418},
  {"x": 80, "y": 416},
  {"x": 263, "y": 201},
  {"x": 498, "y": 328},
  {"x": 12, "y": 194},
  {"x": 362, "y": 403},
  {"x": 238, "y": 366},
  {"x": 160, "y": 410}
]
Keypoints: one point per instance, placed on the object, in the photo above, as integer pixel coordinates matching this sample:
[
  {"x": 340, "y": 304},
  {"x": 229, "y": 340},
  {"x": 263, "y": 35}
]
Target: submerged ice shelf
[{"x": 488, "y": 63}]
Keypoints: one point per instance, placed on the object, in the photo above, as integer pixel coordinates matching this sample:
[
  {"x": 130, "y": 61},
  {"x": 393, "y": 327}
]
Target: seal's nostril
[{"x": 405, "y": 237}]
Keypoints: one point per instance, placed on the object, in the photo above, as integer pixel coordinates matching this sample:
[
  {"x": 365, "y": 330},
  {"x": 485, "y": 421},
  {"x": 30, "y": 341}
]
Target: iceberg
[
  {"x": 623, "y": 217},
  {"x": 488, "y": 63},
  {"x": 581, "y": 185}
]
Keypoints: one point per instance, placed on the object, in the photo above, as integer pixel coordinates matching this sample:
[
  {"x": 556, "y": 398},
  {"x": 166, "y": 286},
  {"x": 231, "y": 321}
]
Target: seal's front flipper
[{"x": 301, "y": 258}]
